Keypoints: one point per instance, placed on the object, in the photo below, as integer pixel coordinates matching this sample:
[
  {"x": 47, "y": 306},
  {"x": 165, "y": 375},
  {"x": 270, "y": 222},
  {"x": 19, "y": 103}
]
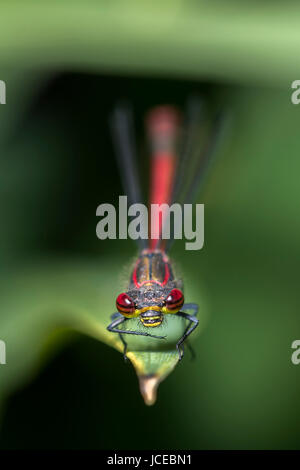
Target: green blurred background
[{"x": 65, "y": 66}]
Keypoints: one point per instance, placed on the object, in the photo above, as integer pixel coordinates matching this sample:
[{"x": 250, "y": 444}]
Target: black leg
[
  {"x": 125, "y": 347},
  {"x": 193, "y": 307},
  {"x": 115, "y": 315},
  {"x": 113, "y": 329},
  {"x": 112, "y": 317},
  {"x": 190, "y": 328}
]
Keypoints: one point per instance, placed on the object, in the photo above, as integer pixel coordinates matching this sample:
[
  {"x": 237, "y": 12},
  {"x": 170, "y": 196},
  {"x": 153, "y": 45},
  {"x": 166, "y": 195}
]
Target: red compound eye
[
  {"x": 125, "y": 304},
  {"x": 175, "y": 300}
]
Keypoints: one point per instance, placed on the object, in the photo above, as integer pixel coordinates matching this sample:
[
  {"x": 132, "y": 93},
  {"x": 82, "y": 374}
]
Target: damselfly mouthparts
[{"x": 153, "y": 292}]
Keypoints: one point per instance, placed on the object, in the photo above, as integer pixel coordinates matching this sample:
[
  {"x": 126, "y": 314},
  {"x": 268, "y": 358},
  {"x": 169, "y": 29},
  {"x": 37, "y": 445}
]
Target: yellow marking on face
[
  {"x": 165, "y": 310},
  {"x": 131, "y": 315},
  {"x": 152, "y": 324},
  {"x": 152, "y": 318},
  {"x": 144, "y": 309}
]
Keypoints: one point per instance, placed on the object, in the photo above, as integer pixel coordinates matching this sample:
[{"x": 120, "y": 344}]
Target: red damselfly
[{"x": 154, "y": 292}]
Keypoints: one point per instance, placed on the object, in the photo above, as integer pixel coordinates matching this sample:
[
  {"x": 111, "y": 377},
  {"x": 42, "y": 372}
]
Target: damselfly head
[{"x": 150, "y": 304}]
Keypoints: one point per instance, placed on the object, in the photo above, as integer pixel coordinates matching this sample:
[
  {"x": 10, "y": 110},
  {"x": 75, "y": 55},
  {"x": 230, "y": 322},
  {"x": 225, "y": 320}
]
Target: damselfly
[{"x": 154, "y": 292}]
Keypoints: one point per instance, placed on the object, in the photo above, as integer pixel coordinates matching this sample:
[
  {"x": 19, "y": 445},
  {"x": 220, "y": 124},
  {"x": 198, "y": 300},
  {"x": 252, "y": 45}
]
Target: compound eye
[
  {"x": 125, "y": 304},
  {"x": 175, "y": 300}
]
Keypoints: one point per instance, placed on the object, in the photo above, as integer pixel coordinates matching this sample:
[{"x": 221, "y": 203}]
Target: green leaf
[{"x": 45, "y": 302}]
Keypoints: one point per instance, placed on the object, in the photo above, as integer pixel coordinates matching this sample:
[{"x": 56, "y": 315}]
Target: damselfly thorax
[{"x": 153, "y": 290}]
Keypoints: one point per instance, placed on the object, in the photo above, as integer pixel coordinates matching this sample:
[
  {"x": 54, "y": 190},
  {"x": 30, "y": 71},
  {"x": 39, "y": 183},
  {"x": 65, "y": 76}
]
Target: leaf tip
[{"x": 148, "y": 388}]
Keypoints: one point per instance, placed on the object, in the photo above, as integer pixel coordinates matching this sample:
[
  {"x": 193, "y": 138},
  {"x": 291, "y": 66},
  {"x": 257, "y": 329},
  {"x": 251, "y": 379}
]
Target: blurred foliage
[
  {"x": 232, "y": 40},
  {"x": 58, "y": 282}
]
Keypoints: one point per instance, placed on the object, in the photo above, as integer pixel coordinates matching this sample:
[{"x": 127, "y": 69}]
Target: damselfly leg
[
  {"x": 113, "y": 328},
  {"x": 112, "y": 317},
  {"x": 118, "y": 321},
  {"x": 194, "y": 308},
  {"x": 190, "y": 328}
]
